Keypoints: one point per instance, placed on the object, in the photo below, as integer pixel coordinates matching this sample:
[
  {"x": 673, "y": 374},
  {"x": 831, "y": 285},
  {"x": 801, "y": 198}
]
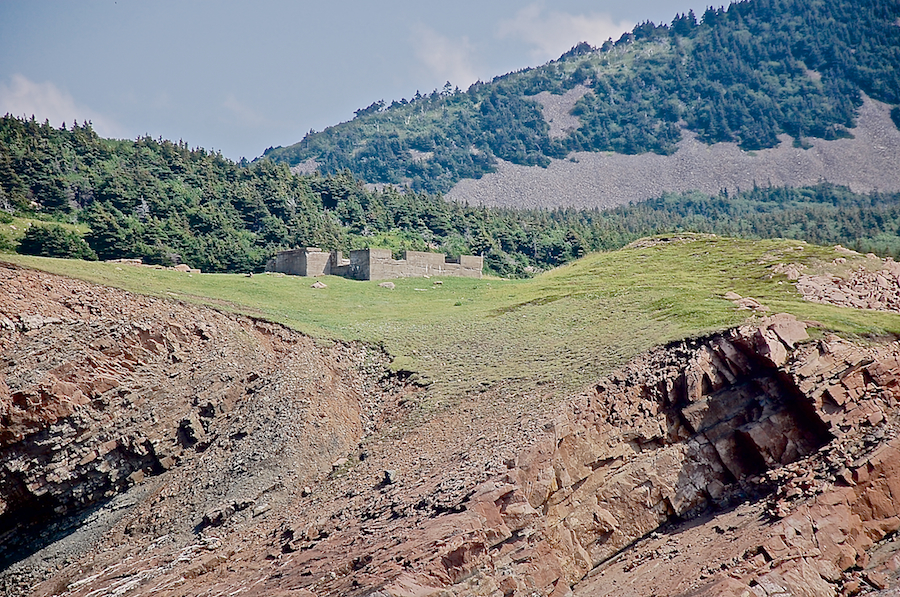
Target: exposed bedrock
[
  {"x": 102, "y": 391},
  {"x": 696, "y": 427},
  {"x": 757, "y": 461}
]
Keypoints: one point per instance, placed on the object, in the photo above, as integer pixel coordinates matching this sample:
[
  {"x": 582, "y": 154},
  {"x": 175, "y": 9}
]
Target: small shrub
[{"x": 55, "y": 241}]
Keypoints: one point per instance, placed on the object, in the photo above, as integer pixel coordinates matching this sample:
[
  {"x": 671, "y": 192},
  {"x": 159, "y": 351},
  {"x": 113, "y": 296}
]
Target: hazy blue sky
[{"x": 241, "y": 76}]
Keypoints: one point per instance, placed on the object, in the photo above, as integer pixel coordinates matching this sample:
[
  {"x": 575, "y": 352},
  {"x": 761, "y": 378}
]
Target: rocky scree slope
[
  {"x": 759, "y": 75},
  {"x": 586, "y": 180},
  {"x": 756, "y": 461}
]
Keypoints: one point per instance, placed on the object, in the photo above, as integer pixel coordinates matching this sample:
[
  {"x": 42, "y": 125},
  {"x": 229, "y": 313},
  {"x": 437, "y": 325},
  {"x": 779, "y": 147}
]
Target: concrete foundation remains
[{"x": 373, "y": 264}]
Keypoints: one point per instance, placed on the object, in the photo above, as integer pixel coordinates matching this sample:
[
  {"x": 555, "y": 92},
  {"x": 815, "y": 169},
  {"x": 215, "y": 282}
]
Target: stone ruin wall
[
  {"x": 301, "y": 262},
  {"x": 374, "y": 264},
  {"x": 379, "y": 264}
]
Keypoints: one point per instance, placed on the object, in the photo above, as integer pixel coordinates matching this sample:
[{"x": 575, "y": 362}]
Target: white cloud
[
  {"x": 446, "y": 59},
  {"x": 246, "y": 115},
  {"x": 552, "y": 33},
  {"x": 24, "y": 97}
]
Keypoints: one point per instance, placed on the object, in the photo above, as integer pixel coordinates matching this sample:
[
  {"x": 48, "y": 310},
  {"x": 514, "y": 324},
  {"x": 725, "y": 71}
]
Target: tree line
[{"x": 166, "y": 203}]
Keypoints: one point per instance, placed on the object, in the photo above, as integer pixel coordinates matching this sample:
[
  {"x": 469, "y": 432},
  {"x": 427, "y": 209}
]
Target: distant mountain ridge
[{"x": 747, "y": 74}]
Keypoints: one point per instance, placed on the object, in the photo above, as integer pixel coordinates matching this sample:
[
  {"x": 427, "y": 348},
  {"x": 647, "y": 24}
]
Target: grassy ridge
[{"x": 554, "y": 333}]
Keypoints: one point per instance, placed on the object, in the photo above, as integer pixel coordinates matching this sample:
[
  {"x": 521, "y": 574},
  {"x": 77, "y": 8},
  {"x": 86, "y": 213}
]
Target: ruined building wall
[
  {"x": 378, "y": 264},
  {"x": 375, "y": 264},
  {"x": 303, "y": 262}
]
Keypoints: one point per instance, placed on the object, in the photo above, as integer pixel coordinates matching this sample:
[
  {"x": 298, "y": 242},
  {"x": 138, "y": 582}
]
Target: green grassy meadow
[{"x": 556, "y": 332}]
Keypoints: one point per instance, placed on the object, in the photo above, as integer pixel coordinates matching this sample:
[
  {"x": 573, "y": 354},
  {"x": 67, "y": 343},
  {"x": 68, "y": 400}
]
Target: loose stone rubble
[{"x": 876, "y": 286}]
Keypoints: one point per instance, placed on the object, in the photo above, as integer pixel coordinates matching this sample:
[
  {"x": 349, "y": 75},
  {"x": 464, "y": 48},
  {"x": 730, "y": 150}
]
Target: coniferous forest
[
  {"x": 166, "y": 203},
  {"x": 745, "y": 74}
]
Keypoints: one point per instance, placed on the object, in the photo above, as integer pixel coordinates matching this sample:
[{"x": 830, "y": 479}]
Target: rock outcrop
[
  {"x": 214, "y": 454},
  {"x": 820, "y": 524},
  {"x": 695, "y": 427},
  {"x": 875, "y": 286},
  {"x": 102, "y": 391}
]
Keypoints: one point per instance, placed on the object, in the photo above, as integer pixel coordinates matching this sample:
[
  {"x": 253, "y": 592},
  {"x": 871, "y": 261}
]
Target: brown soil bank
[
  {"x": 586, "y": 180},
  {"x": 224, "y": 458}
]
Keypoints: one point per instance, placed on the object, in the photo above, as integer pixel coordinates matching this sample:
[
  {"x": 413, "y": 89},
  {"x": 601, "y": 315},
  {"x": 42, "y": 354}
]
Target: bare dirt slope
[
  {"x": 189, "y": 452},
  {"x": 587, "y": 180}
]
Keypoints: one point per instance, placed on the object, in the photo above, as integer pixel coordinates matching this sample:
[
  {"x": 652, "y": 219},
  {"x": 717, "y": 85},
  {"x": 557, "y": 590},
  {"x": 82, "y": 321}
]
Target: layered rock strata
[
  {"x": 752, "y": 462},
  {"x": 699, "y": 425},
  {"x": 102, "y": 391},
  {"x": 696, "y": 427},
  {"x": 799, "y": 433}
]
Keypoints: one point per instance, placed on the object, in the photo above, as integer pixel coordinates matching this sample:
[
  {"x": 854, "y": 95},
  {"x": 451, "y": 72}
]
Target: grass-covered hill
[
  {"x": 745, "y": 74},
  {"x": 556, "y": 331},
  {"x": 65, "y": 192}
]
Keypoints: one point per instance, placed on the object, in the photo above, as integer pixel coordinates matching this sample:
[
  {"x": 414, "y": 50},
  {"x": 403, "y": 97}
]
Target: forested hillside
[
  {"x": 744, "y": 74},
  {"x": 166, "y": 203}
]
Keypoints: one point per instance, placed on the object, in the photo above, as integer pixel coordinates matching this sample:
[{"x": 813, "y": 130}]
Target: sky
[{"x": 239, "y": 77}]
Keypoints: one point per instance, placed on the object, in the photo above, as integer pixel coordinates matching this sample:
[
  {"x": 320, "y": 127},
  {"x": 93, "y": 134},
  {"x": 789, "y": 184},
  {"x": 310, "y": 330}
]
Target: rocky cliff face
[
  {"x": 198, "y": 453},
  {"x": 697, "y": 427},
  {"x": 102, "y": 392}
]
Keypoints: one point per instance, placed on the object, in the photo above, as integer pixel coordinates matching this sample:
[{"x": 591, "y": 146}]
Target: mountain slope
[
  {"x": 759, "y": 69},
  {"x": 864, "y": 163},
  {"x": 167, "y": 203}
]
